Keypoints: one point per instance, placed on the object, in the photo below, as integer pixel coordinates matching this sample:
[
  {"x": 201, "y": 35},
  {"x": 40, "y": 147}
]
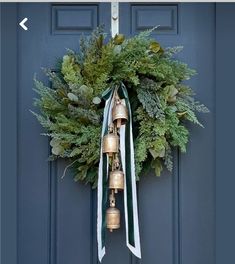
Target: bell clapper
[
  {"x": 112, "y": 204},
  {"x": 112, "y": 199},
  {"x": 116, "y": 162},
  {"x": 116, "y": 165},
  {"x": 115, "y": 130},
  {"x": 111, "y": 128}
]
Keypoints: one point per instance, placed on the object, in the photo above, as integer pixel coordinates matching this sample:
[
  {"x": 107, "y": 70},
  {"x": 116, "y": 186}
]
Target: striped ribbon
[{"x": 128, "y": 165}]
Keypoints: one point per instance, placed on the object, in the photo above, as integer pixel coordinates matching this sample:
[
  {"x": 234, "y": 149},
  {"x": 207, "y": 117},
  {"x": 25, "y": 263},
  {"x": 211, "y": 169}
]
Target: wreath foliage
[{"x": 71, "y": 108}]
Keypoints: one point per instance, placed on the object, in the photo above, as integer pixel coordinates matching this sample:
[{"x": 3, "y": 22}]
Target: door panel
[
  {"x": 57, "y": 218},
  {"x": 177, "y": 211}
]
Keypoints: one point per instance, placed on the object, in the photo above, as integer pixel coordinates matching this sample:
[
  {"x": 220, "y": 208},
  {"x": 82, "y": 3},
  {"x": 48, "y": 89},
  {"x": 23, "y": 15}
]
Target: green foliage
[
  {"x": 71, "y": 108},
  {"x": 151, "y": 102},
  {"x": 70, "y": 70}
]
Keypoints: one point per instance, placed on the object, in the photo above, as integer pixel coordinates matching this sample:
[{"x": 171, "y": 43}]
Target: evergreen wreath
[{"x": 71, "y": 109}]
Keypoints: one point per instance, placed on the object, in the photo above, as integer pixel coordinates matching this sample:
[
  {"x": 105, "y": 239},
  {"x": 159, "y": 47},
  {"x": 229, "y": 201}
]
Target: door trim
[{"x": 9, "y": 99}]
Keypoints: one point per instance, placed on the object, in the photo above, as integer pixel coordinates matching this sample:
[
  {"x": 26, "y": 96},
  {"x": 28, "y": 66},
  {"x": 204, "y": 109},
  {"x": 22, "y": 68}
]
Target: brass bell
[
  {"x": 110, "y": 144},
  {"x": 119, "y": 113},
  {"x": 116, "y": 180},
  {"x": 112, "y": 215},
  {"x": 112, "y": 218}
]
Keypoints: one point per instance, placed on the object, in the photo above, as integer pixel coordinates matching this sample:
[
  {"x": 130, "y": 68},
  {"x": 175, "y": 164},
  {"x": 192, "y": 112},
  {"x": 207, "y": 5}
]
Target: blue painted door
[{"x": 56, "y": 219}]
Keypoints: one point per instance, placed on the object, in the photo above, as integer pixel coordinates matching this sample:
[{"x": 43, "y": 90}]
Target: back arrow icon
[{"x": 22, "y": 23}]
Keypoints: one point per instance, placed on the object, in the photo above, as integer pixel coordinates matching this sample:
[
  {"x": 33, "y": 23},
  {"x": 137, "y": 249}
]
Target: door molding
[
  {"x": 9, "y": 101},
  {"x": 225, "y": 131}
]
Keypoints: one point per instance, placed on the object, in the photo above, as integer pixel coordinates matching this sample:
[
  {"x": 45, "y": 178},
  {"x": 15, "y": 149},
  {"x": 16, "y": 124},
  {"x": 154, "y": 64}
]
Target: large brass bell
[
  {"x": 112, "y": 215},
  {"x": 116, "y": 180},
  {"x": 110, "y": 144},
  {"x": 119, "y": 113}
]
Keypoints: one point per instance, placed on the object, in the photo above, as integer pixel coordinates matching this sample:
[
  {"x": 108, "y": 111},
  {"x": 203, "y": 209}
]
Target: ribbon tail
[
  {"x": 130, "y": 195},
  {"x": 102, "y": 188}
]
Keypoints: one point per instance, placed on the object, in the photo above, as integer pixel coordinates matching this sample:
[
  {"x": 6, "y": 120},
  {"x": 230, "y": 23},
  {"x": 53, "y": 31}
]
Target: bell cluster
[{"x": 111, "y": 146}]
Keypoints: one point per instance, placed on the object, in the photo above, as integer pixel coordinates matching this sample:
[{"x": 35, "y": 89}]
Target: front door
[{"x": 56, "y": 217}]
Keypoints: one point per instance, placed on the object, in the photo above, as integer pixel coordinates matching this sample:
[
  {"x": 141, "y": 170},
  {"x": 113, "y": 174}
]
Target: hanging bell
[
  {"x": 112, "y": 218},
  {"x": 116, "y": 180},
  {"x": 110, "y": 144},
  {"x": 112, "y": 214},
  {"x": 119, "y": 113}
]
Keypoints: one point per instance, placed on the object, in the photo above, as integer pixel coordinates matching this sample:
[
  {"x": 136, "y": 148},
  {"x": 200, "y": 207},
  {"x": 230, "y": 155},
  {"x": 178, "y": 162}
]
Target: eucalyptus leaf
[
  {"x": 171, "y": 99},
  {"x": 85, "y": 91},
  {"x": 96, "y": 100},
  {"x": 57, "y": 150},
  {"x": 155, "y": 47},
  {"x": 157, "y": 166},
  {"x": 117, "y": 49},
  {"x": 72, "y": 97},
  {"x": 155, "y": 154},
  {"x": 173, "y": 91},
  {"x": 162, "y": 153},
  {"x": 118, "y": 39},
  {"x": 55, "y": 142}
]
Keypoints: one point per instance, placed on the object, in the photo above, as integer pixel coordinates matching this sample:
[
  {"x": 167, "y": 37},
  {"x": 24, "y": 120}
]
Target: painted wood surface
[{"x": 56, "y": 219}]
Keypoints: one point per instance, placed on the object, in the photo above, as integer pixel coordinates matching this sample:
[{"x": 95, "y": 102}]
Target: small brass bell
[
  {"x": 116, "y": 180},
  {"x": 119, "y": 113},
  {"x": 110, "y": 144},
  {"x": 112, "y": 215},
  {"x": 112, "y": 218}
]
